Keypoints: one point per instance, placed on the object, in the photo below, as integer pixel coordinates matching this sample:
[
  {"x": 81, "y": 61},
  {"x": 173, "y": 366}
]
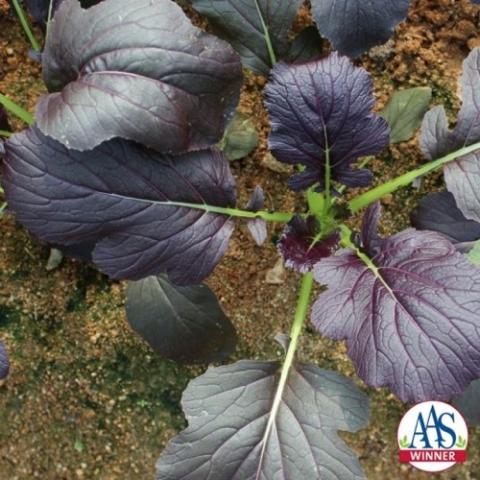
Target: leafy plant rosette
[{"x": 121, "y": 165}]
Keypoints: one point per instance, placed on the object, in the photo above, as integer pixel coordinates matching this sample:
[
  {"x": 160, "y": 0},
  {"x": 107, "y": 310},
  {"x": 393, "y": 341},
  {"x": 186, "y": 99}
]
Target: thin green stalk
[
  {"x": 297, "y": 326},
  {"x": 17, "y": 110},
  {"x": 266, "y": 36},
  {"x": 27, "y": 28},
  {"x": 5, "y": 133},
  {"x": 379, "y": 192},
  {"x": 3, "y": 206},
  {"x": 280, "y": 217}
]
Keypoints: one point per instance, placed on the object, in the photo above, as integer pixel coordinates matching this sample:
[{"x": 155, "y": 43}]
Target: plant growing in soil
[{"x": 121, "y": 167}]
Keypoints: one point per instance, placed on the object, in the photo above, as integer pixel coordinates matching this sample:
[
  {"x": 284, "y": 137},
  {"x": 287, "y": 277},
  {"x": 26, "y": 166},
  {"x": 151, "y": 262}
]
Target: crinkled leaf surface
[
  {"x": 354, "y": 26},
  {"x": 469, "y": 403},
  {"x": 185, "y": 324},
  {"x": 410, "y": 318},
  {"x": 228, "y": 409},
  {"x": 439, "y": 212},
  {"x": 323, "y": 110},
  {"x": 299, "y": 246},
  {"x": 462, "y": 175},
  {"x": 4, "y": 362},
  {"x": 405, "y": 111},
  {"x": 242, "y": 23},
  {"x": 139, "y": 70},
  {"x": 114, "y": 197}
]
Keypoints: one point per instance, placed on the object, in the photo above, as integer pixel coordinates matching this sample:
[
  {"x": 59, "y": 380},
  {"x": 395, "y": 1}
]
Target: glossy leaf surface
[
  {"x": 138, "y": 70},
  {"x": 462, "y": 175},
  {"x": 354, "y": 26},
  {"x": 244, "y": 23},
  {"x": 228, "y": 409},
  {"x": 116, "y": 197},
  {"x": 408, "y": 310},
  {"x": 185, "y": 324}
]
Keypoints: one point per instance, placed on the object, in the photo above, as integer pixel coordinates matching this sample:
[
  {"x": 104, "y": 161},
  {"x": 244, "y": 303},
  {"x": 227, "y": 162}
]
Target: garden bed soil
[{"x": 87, "y": 398}]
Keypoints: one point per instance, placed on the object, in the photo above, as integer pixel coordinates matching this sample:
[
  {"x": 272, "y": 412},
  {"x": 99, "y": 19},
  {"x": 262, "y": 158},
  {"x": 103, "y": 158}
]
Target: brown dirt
[{"x": 87, "y": 399}]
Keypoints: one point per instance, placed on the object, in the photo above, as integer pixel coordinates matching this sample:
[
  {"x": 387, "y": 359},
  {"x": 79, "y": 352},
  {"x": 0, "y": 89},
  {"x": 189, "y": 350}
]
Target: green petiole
[
  {"x": 266, "y": 36},
  {"x": 27, "y": 28},
  {"x": 296, "y": 330},
  {"x": 379, "y": 192},
  {"x": 17, "y": 110}
]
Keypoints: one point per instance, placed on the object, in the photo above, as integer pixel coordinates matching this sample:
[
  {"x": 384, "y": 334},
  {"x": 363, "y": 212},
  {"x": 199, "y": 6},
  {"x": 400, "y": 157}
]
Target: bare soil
[{"x": 87, "y": 399}]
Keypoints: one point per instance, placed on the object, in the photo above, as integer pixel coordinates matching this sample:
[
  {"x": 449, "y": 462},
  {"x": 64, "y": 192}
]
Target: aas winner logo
[{"x": 432, "y": 437}]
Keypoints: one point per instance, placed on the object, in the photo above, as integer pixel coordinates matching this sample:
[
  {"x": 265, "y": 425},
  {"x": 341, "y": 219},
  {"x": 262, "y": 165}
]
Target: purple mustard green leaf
[
  {"x": 116, "y": 197},
  {"x": 439, "y": 212},
  {"x": 242, "y": 24},
  {"x": 138, "y": 70},
  {"x": 354, "y": 26},
  {"x": 4, "y": 362},
  {"x": 461, "y": 175},
  {"x": 409, "y": 313},
  {"x": 229, "y": 408},
  {"x": 322, "y": 111},
  {"x": 258, "y": 226},
  {"x": 300, "y": 248},
  {"x": 185, "y": 324}
]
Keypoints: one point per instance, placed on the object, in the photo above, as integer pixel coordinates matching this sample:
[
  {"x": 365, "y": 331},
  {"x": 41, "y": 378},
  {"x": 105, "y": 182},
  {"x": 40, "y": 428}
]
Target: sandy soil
[{"x": 86, "y": 398}]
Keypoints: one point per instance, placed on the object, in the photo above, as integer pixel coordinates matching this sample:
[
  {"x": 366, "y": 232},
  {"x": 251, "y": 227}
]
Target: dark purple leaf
[
  {"x": 38, "y": 9},
  {"x": 4, "y": 362},
  {"x": 324, "y": 107},
  {"x": 240, "y": 23},
  {"x": 114, "y": 197},
  {"x": 462, "y": 175},
  {"x": 307, "y": 46},
  {"x": 138, "y": 70},
  {"x": 439, "y": 212},
  {"x": 409, "y": 313},
  {"x": 354, "y": 26},
  {"x": 257, "y": 226},
  {"x": 298, "y": 247},
  {"x": 185, "y": 324},
  {"x": 4, "y": 123},
  {"x": 469, "y": 403},
  {"x": 228, "y": 438}
]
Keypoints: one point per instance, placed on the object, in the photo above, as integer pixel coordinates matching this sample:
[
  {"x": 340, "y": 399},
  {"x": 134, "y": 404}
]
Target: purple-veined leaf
[
  {"x": 439, "y": 212},
  {"x": 243, "y": 23},
  {"x": 257, "y": 226},
  {"x": 229, "y": 408},
  {"x": 300, "y": 248},
  {"x": 4, "y": 362},
  {"x": 469, "y": 403},
  {"x": 185, "y": 324},
  {"x": 322, "y": 111},
  {"x": 462, "y": 175},
  {"x": 354, "y": 26},
  {"x": 114, "y": 197},
  {"x": 409, "y": 311},
  {"x": 139, "y": 70}
]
